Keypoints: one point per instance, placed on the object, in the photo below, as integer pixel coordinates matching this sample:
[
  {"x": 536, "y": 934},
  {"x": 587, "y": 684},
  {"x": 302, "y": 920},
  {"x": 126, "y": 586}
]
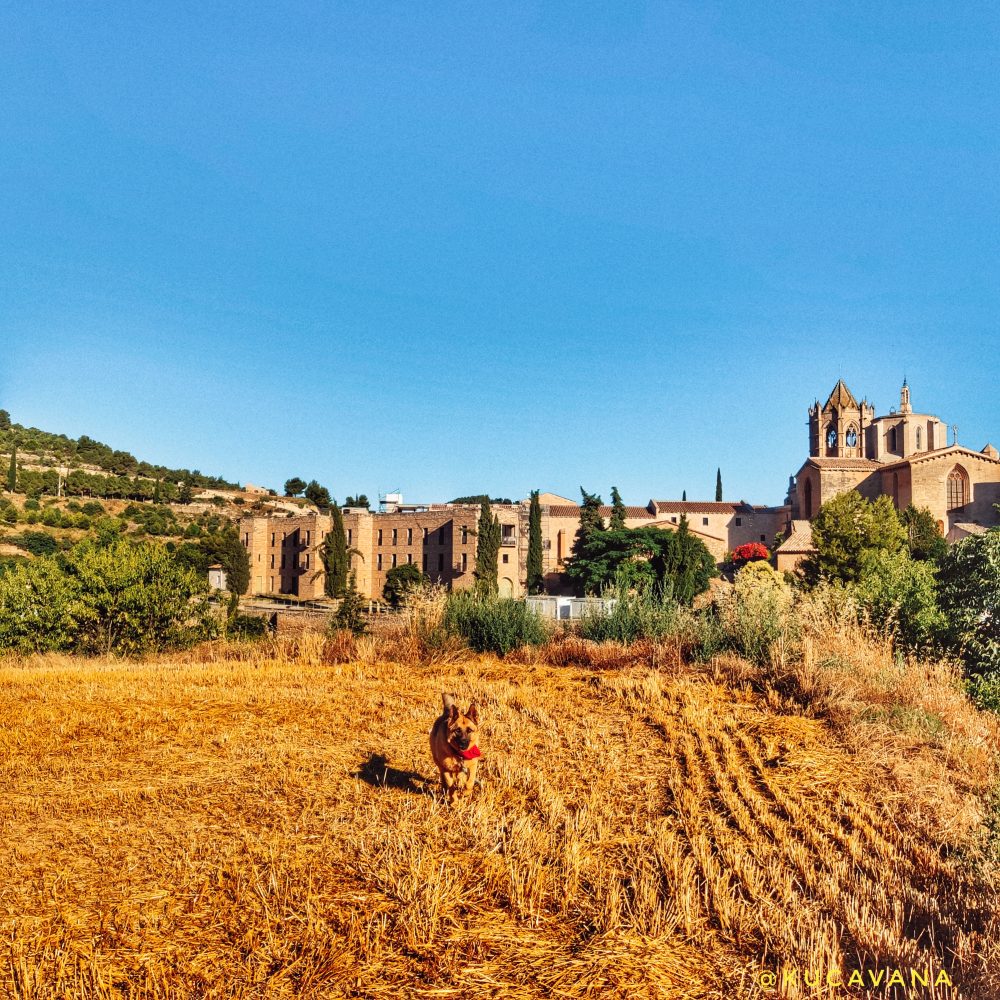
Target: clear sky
[{"x": 491, "y": 247}]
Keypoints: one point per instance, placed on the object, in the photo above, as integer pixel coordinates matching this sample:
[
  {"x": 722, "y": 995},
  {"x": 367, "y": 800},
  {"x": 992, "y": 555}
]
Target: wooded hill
[{"x": 91, "y": 468}]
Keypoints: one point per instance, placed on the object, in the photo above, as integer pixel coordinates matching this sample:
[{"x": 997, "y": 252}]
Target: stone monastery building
[{"x": 904, "y": 455}]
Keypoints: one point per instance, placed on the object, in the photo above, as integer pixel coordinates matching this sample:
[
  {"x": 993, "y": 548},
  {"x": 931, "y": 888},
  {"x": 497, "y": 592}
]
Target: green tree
[
  {"x": 12, "y": 471},
  {"x": 536, "y": 581},
  {"x": 4, "y": 420},
  {"x": 400, "y": 581},
  {"x": 487, "y": 550},
  {"x": 350, "y": 614},
  {"x": 317, "y": 494},
  {"x": 897, "y": 594},
  {"x": 40, "y": 607},
  {"x": 684, "y": 496},
  {"x": 643, "y": 560},
  {"x": 687, "y": 566},
  {"x": 359, "y": 501},
  {"x": 926, "y": 543},
  {"x": 718, "y": 485},
  {"x": 235, "y": 560},
  {"x": 590, "y": 521},
  {"x": 186, "y": 493},
  {"x": 335, "y": 556},
  {"x": 617, "y": 521},
  {"x": 969, "y": 595},
  {"x": 848, "y": 530},
  {"x": 294, "y": 486}
]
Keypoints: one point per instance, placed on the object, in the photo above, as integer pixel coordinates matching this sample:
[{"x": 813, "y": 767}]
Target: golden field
[{"x": 264, "y": 822}]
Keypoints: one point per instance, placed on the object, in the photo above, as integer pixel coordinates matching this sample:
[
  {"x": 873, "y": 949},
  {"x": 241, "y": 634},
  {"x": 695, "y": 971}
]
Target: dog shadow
[{"x": 377, "y": 772}]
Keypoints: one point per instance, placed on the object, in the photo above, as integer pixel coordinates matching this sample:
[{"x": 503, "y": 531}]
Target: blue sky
[{"x": 464, "y": 248}]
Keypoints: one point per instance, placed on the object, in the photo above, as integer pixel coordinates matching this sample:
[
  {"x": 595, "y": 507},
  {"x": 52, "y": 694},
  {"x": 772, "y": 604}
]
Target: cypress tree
[
  {"x": 487, "y": 551},
  {"x": 718, "y": 485},
  {"x": 684, "y": 496},
  {"x": 535, "y": 579},
  {"x": 12, "y": 471},
  {"x": 617, "y": 510},
  {"x": 235, "y": 561},
  {"x": 335, "y": 556}
]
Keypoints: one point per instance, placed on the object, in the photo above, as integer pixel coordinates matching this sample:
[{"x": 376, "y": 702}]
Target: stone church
[{"x": 904, "y": 455}]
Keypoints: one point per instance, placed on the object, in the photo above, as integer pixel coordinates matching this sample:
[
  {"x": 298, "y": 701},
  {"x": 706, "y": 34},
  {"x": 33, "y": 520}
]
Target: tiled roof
[
  {"x": 800, "y": 540},
  {"x": 842, "y": 397},
  {"x": 950, "y": 452},
  {"x": 698, "y": 507},
  {"x": 572, "y": 510},
  {"x": 844, "y": 463}
]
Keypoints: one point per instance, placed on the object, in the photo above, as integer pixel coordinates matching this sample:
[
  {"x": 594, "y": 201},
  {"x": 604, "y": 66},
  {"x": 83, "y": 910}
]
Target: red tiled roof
[
  {"x": 843, "y": 463},
  {"x": 696, "y": 507},
  {"x": 567, "y": 510}
]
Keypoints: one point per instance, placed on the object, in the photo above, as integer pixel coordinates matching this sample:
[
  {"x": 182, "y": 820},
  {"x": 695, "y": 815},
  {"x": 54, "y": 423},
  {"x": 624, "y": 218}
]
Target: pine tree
[
  {"x": 487, "y": 551},
  {"x": 12, "y": 471},
  {"x": 590, "y": 521},
  {"x": 536, "y": 583},
  {"x": 617, "y": 511},
  {"x": 335, "y": 556},
  {"x": 718, "y": 485}
]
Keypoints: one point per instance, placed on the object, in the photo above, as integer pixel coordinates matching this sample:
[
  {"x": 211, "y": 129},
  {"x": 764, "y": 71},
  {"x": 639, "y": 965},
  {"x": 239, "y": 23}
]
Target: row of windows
[
  {"x": 395, "y": 534},
  {"x": 409, "y": 559}
]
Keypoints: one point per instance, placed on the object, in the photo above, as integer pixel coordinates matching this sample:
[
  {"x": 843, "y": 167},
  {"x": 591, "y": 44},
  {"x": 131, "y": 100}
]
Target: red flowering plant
[{"x": 749, "y": 552}]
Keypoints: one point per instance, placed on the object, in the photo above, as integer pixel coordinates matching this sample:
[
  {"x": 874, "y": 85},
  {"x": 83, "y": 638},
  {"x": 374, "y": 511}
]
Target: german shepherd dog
[{"x": 453, "y": 746}]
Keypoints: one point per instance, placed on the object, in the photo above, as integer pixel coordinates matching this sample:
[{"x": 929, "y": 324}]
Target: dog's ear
[
  {"x": 450, "y": 706},
  {"x": 473, "y": 713}
]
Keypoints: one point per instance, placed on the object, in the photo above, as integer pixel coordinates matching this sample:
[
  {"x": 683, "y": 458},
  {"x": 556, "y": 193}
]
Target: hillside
[
  {"x": 70, "y": 489},
  {"x": 40, "y": 451},
  {"x": 263, "y": 822}
]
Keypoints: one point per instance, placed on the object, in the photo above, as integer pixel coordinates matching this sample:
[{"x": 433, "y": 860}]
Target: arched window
[
  {"x": 807, "y": 499},
  {"x": 892, "y": 439},
  {"x": 958, "y": 488},
  {"x": 919, "y": 438},
  {"x": 831, "y": 440}
]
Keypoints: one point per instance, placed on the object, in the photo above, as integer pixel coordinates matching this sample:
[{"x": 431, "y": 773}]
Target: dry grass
[{"x": 264, "y": 822}]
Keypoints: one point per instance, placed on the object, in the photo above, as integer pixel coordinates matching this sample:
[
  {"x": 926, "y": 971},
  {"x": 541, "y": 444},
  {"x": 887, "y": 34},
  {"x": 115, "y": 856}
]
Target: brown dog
[{"x": 453, "y": 745}]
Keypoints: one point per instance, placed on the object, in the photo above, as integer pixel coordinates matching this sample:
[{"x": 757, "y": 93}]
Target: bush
[
  {"x": 969, "y": 594},
  {"x": 246, "y": 627},
  {"x": 493, "y": 624},
  {"x": 896, "y": 593},
  {"x": 38, "y": 543},
  {"x": 123, "y": 598},
  {"x": 400, "y": 581},
  {"x": 136, "y": 598},
  {"x": 649, "y": 615},
  {"x": 756, "y": 617}
]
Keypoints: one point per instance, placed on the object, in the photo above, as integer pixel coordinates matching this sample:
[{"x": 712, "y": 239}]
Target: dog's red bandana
[{"x": 471, "y": 754}]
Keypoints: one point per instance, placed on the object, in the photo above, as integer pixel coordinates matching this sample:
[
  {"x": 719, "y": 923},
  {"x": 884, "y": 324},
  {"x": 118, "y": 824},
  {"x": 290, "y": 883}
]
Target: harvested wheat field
[{"x": 265, "y": 823}]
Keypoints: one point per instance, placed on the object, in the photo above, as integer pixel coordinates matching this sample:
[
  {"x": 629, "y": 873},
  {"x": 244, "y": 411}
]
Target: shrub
[
  {"x": 40, "y": 608},
  {"x": 350, "y": 615},
  {"x": 749, "y": 552},
  {"x": 135, "y": 598},
  {"x": 92, "y": 508},
  {"x": 648, "y": 615},
  {"x": 493, "y": 624},
  {"x": 246, "y": 627},
  {"x": 896, "y": 593},
  {"x": 969, "y": 594},
  {"x": 400, "y": 581},
  {"x": 756, "y": 617},
  {"x": 38, "y": 543}
]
